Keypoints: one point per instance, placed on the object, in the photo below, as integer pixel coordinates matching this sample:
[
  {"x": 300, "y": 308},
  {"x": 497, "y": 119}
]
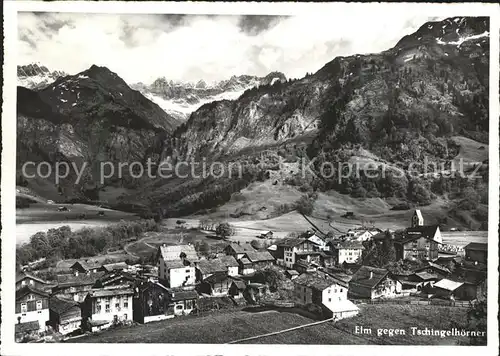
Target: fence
[{"x": 447, "y": 303}]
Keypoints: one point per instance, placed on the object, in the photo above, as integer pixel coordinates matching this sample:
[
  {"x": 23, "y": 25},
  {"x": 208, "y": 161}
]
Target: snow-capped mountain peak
[
  {"x": 180, "y": 99},
  {"x": 36, "y": 76}
]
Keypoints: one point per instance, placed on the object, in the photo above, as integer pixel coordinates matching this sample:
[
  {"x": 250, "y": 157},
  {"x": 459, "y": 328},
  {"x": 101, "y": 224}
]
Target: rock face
[
  {"x": 432, "y": 83},
  {"x": 181, "y": 99},
  {"x": 90, "y": 117},
  {"x": 35, "y": 76}
]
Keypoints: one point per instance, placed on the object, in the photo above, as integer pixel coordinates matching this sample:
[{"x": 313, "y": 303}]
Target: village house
[
  {"x": 26, "y": 279},
  {"x": 183, "y": 301},
  {"x": 176, "y": 265},
  {"x": 477, "y": 252},
  {"x": 434, "y": 268},
  {"x": 65, "y": 315},
  {"x": 113, "y": 267},
  {"x": 27, "y": 331},
  {"x": 206, "y": 268},
  {"x": 423, "y": 279},
  {"x": 231, "y": 265},
  {"x": 327, "y": 292},
  {"x": 216, "y": 284},
  {"x": 346, "y": 251},
  {"x": 117, "y": 278},
  {"x": 76, "y": 286},
  {"x": 362, "y": 234},
  {"x": 151, "y": 303},
  {"x": 290, "y": 249},
  {"x": 474, "y": 287},
  {"x": 446, "y": 288},
  {"x": 32, "y": 305},
  {"x": 237, "y": 289},
  {"x": 292, "y": 274},
  {"x": 419, "y": 241},
  {"x": 108, "y": 305},
  {"x": 371, "y": 283},
  {"x": 238, "y": 250},
  {"x": 86, "y": 266},
  {"x": 318, "y": 241}
]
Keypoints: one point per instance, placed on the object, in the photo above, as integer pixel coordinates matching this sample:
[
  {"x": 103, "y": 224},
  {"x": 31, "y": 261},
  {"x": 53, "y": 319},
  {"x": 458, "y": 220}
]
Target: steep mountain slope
[
  {"x": 434, "y": 82},
  {"x": 35, "y": 76},
  {"x": 181, "y": 99},
  {"x": 87, "y": 118}
]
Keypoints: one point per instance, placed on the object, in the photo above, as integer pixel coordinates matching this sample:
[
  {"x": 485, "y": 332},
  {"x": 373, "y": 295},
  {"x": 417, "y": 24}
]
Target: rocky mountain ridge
[{"x": 180, "y": 99}]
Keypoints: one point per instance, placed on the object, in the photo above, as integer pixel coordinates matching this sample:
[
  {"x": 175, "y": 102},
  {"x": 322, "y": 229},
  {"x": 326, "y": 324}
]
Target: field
[
  {"x": 228, "y": 327},
  {"x": 43, "y": 216}
]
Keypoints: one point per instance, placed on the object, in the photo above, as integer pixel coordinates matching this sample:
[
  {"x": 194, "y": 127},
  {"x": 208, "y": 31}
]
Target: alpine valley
[{"x": 402, "y": 110}]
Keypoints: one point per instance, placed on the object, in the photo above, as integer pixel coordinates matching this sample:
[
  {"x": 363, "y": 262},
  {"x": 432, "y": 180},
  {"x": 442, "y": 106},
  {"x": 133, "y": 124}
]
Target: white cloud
[{"x": 144, "y": 47}]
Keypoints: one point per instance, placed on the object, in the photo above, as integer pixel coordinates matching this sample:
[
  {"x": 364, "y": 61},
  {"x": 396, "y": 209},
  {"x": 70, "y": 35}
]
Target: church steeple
[{"x": 417, "y": 219}]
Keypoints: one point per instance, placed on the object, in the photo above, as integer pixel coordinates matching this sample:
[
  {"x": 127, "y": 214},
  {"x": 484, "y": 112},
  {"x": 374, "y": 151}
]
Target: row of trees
[{"x": 63, "y": 243}]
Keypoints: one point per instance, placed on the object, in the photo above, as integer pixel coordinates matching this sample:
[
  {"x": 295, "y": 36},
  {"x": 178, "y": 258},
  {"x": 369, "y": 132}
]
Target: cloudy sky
[{"x": 190, "y": 48}]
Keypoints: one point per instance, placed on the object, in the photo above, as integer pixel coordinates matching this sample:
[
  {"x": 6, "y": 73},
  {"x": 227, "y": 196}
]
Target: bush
[{"x": 305, "y": 205}]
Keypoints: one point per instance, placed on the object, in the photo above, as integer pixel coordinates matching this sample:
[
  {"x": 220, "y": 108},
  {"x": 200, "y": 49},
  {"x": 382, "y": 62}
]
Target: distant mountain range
[{"x": 180, "y": 99}]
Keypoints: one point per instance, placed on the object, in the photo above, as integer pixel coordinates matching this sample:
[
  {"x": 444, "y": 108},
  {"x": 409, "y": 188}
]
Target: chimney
[{"x": 371, "y": 274}]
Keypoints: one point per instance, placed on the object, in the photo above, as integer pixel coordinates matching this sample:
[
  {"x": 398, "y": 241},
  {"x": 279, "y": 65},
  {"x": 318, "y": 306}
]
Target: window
[
  {"x": 98, "y": 308},
  {"x": 31, "y": 297},
  {"x": 24, "y": 307},
  {"x": 31, "y": 282},
  {"x": 329, "y": 299},
  {"x": 117, "y": 306},
  {"x": 340, "y": 290},
  {"x": 329, "y": 290},
  {"x": 187, "y": 271},
  {"x": 23, "y": 283},
  {"x": 106, "y": 307},
  {"x": 125, "y": 304},
  {"x": 335, "y": 290},
  {"x": 38, "y": 305}
]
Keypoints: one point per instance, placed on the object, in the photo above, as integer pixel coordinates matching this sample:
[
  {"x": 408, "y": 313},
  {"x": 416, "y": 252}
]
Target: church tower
[{"x": 417, "y": 219}]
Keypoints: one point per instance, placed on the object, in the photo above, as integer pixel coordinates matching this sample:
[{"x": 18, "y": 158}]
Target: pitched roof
[
  {"x": 362, "y": 276},
  {"x": 291, "y": 242},
  {"x": 245, "y": 261},
  {"x": 69, "y": 280},
  {"x": 435, "y": 266},
  {"x": 316, "y": 280},
  {"x": 211, "y": 266},
  {"x": 115, "y": 266},
  {"x": 239, "y": 284},
  {"x": 87, "y": 264},
  {"x": 240, "y": 248},
  {"x": 447, "y": 284},
  {"x": 60, "y": 305},
  {"x": 229, "y": 261},
  {"x": 174, "y": 264},
  {"x": 110, "y": 291},
  {"x": 28, "y": 290},
  {"x": 412, "y": 233},
  {"x": 24, "y": 275},
  {"x": 30, "y": 326},
  {"x": 183, "y": 295},
  {"x": 259, "y": 256},
  {"x": 476, "y": 246},
  {"x": 216, "y": 277},
  {"x": 425, "y": 276},
  {"x": 172, "y": 253},
  {"x": 343, "y": 245},
  {"x": 341, "y": 306}
]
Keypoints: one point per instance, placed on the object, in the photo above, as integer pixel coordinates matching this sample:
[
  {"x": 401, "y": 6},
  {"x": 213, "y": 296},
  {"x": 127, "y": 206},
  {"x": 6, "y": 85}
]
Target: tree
[
  {"x": 477, "y": 321},
  {"x": 305, "y": 205},
  {"x": 224, "y": 230}
]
